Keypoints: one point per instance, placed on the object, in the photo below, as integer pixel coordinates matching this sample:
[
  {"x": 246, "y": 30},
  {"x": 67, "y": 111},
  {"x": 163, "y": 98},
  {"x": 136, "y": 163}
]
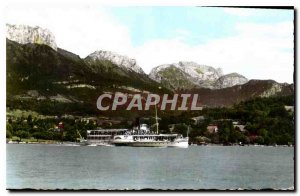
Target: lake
[{"x": 38, "y": 166}]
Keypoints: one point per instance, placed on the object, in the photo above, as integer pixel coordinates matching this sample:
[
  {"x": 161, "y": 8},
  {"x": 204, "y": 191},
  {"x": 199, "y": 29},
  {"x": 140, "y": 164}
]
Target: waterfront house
[
  {"x": 212, "y": 129},
  {"x": 197, "y": 119},
  {"x": 289, "y": 108},
  {"x": 240, "y": 127}
]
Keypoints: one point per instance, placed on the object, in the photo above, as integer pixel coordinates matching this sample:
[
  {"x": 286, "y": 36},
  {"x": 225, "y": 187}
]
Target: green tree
[
  {"x": 9, "y": 130},
  {"x": 22, "y": 134},
  {"x": 259, "y": 140},
  {"x": 224, "y": 135},
  {"x": 8, "y": 134},
  {"x": 181, "y": 129},
  {"x": 263, "y": 132}
]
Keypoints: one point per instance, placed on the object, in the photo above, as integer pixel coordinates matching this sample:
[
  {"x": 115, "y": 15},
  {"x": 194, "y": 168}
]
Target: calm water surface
[{"x": 197, "y": 167}]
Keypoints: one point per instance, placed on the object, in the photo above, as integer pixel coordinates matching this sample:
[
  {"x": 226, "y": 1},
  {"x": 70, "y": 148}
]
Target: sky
[{"x": 257, "y": 43}]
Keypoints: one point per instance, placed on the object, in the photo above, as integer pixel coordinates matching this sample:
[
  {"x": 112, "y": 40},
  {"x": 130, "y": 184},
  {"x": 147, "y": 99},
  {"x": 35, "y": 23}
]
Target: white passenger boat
[
  {"x": 142, "y": 137},
  {"x": 103, "y": 137},
  {"x": 161, "y": 140}
]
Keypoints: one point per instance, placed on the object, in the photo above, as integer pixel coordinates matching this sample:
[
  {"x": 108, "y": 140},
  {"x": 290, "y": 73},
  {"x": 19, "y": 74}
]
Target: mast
[
  {"x": 156, "y": 119},
  {"x": 156, "y": 114}
]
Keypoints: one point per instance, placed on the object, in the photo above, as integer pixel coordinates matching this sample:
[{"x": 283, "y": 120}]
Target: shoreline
[{"x": 78, "y": 144}]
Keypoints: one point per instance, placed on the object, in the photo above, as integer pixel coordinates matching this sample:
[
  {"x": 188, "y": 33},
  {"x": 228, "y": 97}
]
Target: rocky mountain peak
[
  {"x": 229, "y": 80},
  {"x": 200, "y": 72},
  {"x": 195, "y": 74},
  {"x": 24, "y": 34},
  {"x": 119, "y": 60}
]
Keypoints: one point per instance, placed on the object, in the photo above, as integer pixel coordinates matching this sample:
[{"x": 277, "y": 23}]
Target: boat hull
[{"x": 153, "y": 144}]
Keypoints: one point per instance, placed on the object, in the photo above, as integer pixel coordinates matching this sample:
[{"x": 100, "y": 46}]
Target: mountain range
[
  {"x": 188, "y": 75},
  {"x": 39, "y": 73}
]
